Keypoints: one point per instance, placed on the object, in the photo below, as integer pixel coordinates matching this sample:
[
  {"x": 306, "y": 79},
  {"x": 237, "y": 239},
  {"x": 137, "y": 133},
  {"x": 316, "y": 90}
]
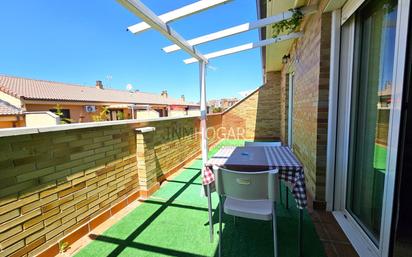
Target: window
[{"x": 65, "y": 113}]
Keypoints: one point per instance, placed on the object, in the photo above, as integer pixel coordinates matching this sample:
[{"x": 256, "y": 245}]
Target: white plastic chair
[
  {"x": 288, "y": 186},
  {"x": 251, "y": 195},
  {"x": 274, "y": 143}
]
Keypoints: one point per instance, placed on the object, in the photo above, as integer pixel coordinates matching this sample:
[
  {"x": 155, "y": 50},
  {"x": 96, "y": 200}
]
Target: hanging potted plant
[{"x": 290, "y": 25}]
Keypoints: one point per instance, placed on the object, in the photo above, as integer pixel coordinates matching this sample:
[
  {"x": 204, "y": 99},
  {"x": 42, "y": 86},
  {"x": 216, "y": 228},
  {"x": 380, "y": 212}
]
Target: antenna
[{"x": 109, "y": 80}]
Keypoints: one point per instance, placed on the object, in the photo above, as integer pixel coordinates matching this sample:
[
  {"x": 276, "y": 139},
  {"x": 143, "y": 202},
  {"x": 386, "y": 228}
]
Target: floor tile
[
  {"x": 330, "y": 250},
  {"x": 345, "y": 250}
]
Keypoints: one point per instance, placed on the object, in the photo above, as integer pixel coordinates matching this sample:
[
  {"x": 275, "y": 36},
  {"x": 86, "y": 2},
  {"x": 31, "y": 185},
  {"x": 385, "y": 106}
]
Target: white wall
[
  {"x": 41, "y": 119},
  {"x": 10, "y": 99},
  {"x": 193, "y": 112},
  {"x": 177, "y": 113},
  {"x": 151, "y": 114}
]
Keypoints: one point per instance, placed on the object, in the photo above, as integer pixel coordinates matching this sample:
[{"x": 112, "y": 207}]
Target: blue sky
[{"x": 81, "y": 41}]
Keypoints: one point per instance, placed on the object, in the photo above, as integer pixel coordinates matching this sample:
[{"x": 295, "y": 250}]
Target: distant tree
[{"x": 217, "y": 109}]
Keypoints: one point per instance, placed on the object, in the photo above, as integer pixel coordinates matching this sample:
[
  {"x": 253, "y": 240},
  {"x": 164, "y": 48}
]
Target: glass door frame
[{"x": 359, "y": 239}]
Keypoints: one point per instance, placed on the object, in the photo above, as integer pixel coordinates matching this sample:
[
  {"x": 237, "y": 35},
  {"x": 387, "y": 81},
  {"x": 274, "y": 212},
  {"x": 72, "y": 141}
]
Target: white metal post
[
  {"x": 203, "y": 110},
  {"x": 203, "y": 128}
]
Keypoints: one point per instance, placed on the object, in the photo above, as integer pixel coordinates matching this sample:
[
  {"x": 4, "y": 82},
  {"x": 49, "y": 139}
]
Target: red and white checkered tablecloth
[
  {"x": 282, "y": 158},
  {"x": 219, "y": 159}
]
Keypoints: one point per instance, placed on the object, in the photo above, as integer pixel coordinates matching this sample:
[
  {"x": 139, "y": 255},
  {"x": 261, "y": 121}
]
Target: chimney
[
  {"x": 182, "y": 97},
  {"x": 99, "y": 84},
  {"x": 164, "y": 94}
]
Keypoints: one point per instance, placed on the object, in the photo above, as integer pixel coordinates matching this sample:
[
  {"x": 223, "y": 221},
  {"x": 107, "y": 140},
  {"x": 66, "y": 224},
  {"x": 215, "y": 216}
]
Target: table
[
  {"x": 250, "y": 159},
  {"x": 258, "y": 159}
]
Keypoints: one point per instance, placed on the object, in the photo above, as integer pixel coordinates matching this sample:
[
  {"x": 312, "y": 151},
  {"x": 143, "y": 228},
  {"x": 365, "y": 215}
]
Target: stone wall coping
[
  {"x": 36, "y": 130},
  {"x": 145, "y": 129},
  {"x": 43, "y": 112}
]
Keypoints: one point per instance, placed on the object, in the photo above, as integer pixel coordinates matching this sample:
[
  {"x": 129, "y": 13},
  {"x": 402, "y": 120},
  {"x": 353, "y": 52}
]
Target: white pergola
[{"x": 159, "y": 23}]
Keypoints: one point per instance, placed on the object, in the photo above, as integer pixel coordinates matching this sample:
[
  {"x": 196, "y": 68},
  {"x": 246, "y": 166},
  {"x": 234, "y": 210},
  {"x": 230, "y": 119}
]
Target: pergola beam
[
  {"x": 245, "y": 47},
  {"x": 241, "y": 28},
  {"x": 139, "y": 9},
  {"x": 179, "y": 13}
]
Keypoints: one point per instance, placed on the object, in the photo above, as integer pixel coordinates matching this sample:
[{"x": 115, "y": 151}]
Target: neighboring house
[
  {"x": 82, "y": 103},
  {"x": 220, "y": 105},
  {"x": 10, "y": 116}
]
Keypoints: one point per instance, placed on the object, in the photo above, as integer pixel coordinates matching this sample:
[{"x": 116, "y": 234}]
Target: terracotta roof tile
[
  {"x": 7, "y": 109},
  {"x": 48, "y": 90}
]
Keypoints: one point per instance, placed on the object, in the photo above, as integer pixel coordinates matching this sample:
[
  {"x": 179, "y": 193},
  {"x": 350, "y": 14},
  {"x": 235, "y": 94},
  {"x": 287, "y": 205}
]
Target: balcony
[{"x": 133, "y": 189}]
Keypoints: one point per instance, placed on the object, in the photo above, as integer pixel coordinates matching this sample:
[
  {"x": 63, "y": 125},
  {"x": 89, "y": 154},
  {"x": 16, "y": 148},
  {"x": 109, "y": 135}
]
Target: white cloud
[{"x": 213, "y": 68}]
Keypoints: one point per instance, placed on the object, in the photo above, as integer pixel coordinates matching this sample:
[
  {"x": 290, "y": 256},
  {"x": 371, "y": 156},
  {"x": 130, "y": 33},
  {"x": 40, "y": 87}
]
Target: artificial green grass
[
  {"x": 379, "y": 160},
  {"x": 174, "y": 222}
]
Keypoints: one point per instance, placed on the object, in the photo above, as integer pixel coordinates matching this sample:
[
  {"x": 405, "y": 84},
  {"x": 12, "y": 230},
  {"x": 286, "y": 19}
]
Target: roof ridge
[
  {"x": 78, "y": 85},
  {"x": 43, "y": 80},
  {"x": 8, "y": 91},
  {"x": 59, "y": 82},
  {"x": 21, "y": 90}
]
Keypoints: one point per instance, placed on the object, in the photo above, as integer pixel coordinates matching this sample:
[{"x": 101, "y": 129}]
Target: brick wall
[
  {"x": 258, "y": 115},
  {"x": 214, "y": 128},
  {"x": 55, "y": 186},
  {"x": 310, "y": 110},
  {"x": 52, "y": 183},
  {"x": 323, "y": 103},
  {"x": 174, "y": 141}
]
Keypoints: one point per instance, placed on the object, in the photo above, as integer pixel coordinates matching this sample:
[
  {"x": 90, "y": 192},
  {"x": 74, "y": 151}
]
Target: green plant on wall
[
  {"x": 289, "y": 25},
  {"x": 103, "y": 115},
  {"x": 60, "y": 113},
  {"x": 120, "y": 115},
  {"x": 63, "y": 246}
]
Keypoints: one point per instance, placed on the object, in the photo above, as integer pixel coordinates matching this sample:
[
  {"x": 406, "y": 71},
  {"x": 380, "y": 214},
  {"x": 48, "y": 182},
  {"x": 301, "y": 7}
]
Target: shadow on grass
[
  {"x": 190, "y": 207},
  {"x": 128, "y": 242},
  {"x": 249, "y": 237},
  {"x": 145, "y": 247},
  {"x": 182, "y": 182},
  {"x": 246, "y": 238}
]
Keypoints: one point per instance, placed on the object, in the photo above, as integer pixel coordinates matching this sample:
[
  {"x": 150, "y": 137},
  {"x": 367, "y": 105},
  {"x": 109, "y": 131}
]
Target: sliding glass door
[
  {"x": 370, "y": 110},
  {"x": 372, "y": 55}
]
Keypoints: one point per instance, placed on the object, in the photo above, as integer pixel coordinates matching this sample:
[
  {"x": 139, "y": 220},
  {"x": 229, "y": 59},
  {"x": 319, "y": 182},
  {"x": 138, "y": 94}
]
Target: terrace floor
[{"x": 174, "y": 222}]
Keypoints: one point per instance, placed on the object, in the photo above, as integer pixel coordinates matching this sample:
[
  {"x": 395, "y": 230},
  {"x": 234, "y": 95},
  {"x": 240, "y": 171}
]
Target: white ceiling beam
[
  {"x": 248, "y": 46},
  {"x": 139, "y": 9},
  {"x": 179, "y": 13},
  {"x": 241, "y": 28}
]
